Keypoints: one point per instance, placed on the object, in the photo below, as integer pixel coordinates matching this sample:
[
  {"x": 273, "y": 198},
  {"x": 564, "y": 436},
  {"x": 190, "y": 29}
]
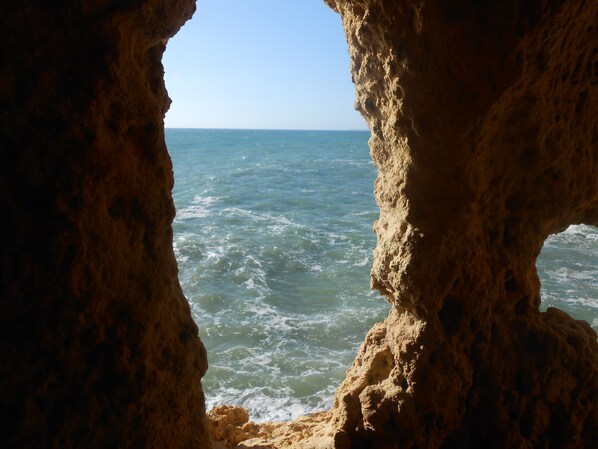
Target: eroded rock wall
[
  {"x": 98, "y": 347},
  {"x": 483, "y": 119}
]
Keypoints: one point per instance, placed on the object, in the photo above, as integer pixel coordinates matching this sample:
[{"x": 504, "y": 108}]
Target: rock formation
[
  {"x": 483, "y": 120},
  {"x": 98, "y": 347}
]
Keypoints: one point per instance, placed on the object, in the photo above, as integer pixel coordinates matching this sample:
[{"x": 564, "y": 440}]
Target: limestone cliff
[
  {"x": 483, "y": 119},
  {"x": 98, "y": 347},
  {"x": 484, "y": 126}
]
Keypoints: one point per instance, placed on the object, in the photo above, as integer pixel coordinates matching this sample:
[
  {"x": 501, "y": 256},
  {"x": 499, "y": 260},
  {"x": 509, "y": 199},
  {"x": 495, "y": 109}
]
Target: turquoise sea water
[
  {"x": 274, "y": 244},
  {"x": 568, "y": 270}
]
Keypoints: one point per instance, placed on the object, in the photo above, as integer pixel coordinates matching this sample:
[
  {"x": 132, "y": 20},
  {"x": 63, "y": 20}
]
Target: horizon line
[{"x": 267, "y": 129}]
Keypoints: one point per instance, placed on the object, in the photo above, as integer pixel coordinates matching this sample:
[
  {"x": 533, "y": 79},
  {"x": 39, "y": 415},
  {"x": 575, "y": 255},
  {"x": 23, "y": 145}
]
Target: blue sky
[{"x": 260, "y": 64}]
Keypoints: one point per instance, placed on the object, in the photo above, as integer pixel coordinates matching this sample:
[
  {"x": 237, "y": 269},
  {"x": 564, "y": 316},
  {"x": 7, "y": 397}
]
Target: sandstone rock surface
[
  {"x": 484, "y": 129},
  {"x": 98, "y": 348}
]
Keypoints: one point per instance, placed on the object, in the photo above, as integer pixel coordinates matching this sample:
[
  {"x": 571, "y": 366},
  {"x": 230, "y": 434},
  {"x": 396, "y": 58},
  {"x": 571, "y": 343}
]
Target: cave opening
[
  {"x": 568, "y": 270},
  {"x": 273, "y": 230}
]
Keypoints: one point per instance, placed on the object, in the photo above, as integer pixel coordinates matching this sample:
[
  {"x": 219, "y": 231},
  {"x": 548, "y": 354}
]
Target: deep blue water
[{"x": 274, "y": 243}]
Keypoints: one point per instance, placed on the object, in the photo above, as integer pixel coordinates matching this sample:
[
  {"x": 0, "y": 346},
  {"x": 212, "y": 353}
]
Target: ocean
[{"x": 273, "y": 237}]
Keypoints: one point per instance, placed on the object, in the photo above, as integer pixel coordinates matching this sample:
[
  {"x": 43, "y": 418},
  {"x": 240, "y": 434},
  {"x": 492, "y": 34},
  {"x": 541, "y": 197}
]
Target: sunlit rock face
[
  {"x": 98, "y": 347},
  {"x": 483, "y": 119},
  {"x": 484, "y": 127}
]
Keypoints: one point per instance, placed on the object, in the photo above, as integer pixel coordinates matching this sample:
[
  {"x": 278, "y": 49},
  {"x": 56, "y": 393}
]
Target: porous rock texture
[
  {"x": 483, "y": 120},
  {"x": 484, "y": 127},
  {"x": 98, "y": 348}
]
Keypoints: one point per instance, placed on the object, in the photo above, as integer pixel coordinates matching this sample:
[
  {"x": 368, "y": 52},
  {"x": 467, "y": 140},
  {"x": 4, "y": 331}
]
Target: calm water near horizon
[{"x": 273, "y": 236}]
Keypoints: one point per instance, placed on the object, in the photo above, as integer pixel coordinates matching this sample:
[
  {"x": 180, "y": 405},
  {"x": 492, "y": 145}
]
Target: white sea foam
[
  {"x": 589, "y": 302},
  {"x": 272, "y": 220},
  {"x": 264, "y": 404},
  {"x": 261, "y": 287},
  {"x": 581, "y": 230},
  {"x": 363, "y": 263},
  {"x": 200, "y": 208},
  {"x": 251, "y": 269},
  {"x": 215, "y": 253},
  {"x": 575, "y": 236},
  {"x": 270, "y": 318},
  {"x": 566, "y": 275},
  {"x": 185, "y": 245}
]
